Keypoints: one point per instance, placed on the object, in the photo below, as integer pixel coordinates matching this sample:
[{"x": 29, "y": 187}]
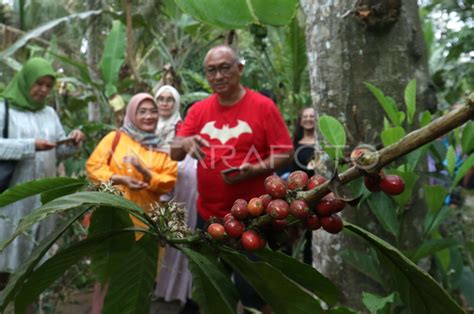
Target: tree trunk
[
  {"x": 349, "y": 43},
  {"x": 93, "y": 34}
]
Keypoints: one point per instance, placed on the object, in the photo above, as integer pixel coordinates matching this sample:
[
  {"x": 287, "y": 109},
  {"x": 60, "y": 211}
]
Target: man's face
[{"x": 223, "y": 72}]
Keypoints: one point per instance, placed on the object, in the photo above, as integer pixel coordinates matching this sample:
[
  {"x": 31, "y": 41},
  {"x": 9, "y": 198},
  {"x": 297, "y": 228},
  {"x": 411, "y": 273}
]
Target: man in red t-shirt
[{"x": 233, "y": 128}]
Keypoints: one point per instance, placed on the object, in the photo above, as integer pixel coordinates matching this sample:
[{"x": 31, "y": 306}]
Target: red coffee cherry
[
  {"x": 372, "y": 182},
  {"x": 278, "y": 209},
  {"x": 255, "y": 207},
  {"x": 297, "y": 180},
  {"x": 312, "y": 223},
  {"x": 216, "y": 231},
  {"x": 392, "y": 184},
  {"x": 234, "y": 228},
  {"x": 332, "y": 224},
  {"x": 315, "y": 181},
  {"x": 251, "y": 240},
  {"x": 299, "y": 209},
  {"x": 276, "y": 187},
  {"x": 266, "y": 199},
  {"x": 239, "y": 210}
]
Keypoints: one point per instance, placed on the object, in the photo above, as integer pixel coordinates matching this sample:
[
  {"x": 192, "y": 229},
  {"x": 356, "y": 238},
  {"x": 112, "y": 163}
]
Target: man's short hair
[{"x": 227, "y": 47}]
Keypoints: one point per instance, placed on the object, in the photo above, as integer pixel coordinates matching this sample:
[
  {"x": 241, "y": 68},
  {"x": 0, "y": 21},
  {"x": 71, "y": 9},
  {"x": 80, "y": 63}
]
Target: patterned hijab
[
  {"x": 18, "y": 91},
  {"x": 167, "y": 126},
  {"x": 148, "y": 140}
]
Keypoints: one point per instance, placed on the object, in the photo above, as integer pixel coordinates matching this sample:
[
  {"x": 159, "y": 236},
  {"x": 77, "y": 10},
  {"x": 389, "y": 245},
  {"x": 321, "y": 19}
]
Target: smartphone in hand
[
  {"x": 66, "y": 141},
  {"x": 233, "y": 170}
]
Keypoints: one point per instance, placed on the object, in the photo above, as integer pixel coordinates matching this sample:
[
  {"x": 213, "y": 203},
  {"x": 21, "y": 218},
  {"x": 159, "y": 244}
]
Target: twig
[{"x": 407, "y": 144}]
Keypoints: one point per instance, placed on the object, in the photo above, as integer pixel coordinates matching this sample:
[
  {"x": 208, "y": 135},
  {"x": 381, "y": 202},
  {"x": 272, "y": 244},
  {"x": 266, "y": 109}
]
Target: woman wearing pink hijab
[{"x": 133, "y": 158}]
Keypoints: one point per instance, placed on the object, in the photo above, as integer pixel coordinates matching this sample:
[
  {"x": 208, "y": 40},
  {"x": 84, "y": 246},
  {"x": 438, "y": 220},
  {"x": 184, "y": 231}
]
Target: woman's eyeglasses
[{"x": 168, "y": 100}]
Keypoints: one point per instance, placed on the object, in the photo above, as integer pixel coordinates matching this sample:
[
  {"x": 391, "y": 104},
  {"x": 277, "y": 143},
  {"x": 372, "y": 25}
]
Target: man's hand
[
  {"x": 246, "y": 171},
  {"x": 42, "y": 144},
  {"x": 192, "y": 145}
]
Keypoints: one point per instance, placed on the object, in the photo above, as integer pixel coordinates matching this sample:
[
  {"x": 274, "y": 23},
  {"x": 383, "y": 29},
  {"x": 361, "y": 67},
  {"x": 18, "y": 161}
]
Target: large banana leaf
[
  {"x": 239, "y": 13},
  {"x": 44, "y": 28},
  {"x": 20, "y": 275},
  {"x": 282, "y": 293},
  {"x": 303, "y": 274},
  {"x": 55, "y": 267},
  {"x": 27, "y": 189},
  {"x": 113, "y": 57},
  {"x": 130, "y": 286},
  {"x": 417, "y": 288},
  {"x": 212, "y": 287},
  {"x": 70, "y": 202}
]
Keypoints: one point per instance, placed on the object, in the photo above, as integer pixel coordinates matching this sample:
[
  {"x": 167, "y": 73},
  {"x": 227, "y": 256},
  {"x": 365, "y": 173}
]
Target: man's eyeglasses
[
  {"x": 169, "y": 100},
  {"x": 223, "y": 69}
]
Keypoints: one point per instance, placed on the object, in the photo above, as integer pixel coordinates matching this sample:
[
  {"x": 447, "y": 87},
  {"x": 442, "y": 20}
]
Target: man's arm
[
  {"x": 267, "y": 166},
  {"x": 188, "y": 145},
  {"x": 177, "y": 151}
]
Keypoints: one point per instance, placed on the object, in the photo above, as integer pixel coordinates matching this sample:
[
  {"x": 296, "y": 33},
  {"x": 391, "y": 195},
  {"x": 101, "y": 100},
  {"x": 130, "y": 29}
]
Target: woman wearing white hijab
[
  {"x": 174, "y": 280},
  {"x": 168, "y": 100}
]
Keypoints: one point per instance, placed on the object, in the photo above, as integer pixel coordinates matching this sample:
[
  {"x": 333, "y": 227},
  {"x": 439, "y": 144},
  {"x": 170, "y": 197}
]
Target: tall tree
[{"x": 349, "y": 43}]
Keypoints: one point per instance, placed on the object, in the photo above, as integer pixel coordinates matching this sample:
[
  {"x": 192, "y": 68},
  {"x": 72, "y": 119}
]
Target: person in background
[
  {"x": 134, "y": 159},
  {"x": 33, "y": 133},
  {"x": 233, "y": 128},
  {"x": 174, "y": 281},
  {"x": 304, "y": 140}
]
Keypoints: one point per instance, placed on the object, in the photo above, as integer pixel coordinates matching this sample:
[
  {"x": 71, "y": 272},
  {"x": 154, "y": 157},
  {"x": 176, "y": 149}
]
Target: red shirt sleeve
[
  {"x": 189, "y": 127},
  {"x": 278, "y": 136}
]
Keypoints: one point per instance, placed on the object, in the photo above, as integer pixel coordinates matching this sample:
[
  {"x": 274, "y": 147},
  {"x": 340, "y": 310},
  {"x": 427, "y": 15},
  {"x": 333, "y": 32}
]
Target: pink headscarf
[
  {"x": 148, "y": 140},
  {"x": 132, "y": 107}
]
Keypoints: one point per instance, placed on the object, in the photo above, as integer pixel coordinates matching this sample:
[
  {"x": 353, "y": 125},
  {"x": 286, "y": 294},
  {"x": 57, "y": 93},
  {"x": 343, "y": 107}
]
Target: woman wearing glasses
[
  {"x": 134, "y": 159},
  {"x": 174, "y": 280}
]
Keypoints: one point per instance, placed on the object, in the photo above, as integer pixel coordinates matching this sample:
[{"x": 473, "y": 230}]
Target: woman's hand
[
  {"x": 42, "y": 144},
  {"x": 77, "y": 136},
  {"x": 139, "y": 166},
  {"x": 132, "y": 183}
]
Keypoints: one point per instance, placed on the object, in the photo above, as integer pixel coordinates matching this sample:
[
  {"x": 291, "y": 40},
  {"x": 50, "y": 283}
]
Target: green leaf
[
  {"x": 365, "y": 262},
  {"x": 410, "y": 100},
  {"x": 21, "y": 274},
  {"x": 384, "y": 210},
  {"x": 113, "y": 56},
  {"x": 232, "y": 14},
  {"x": 465, "y": 167},
  {"x": 341, "y": 310},
  {"x": 333, "y": 132},
  {"x": 434, "y": 196},
  {"x": 212, "y": 287},
  {"x": 432, "y": 246},
  {"x": 130, "y": 286},
  {"x": 69, "y": 202},
  {"x": 56, "y": 266},
  {"x": 467, "y": 285},
  {"x": 436, "y": 218},
  {"x": 392, "y": 135},
  {"x": 67, "y": 189},
  {"x": 467, "y": 140},
  {"x": 30, "y": 188},
  {"x": 107, "y": 260},
  {"x": 415, "y": 156},
  {"x": 387, "y": 103},
  {"x": 410, "y": 179},
  {"x": 303, "y": 274},
  {"x": 375, "y": 303},
  {"x": 273, "y": 286},
  {"x": 451, "y": 159},
  {"x": 425, "y": 118},
  {"x": 417, "y": 289},
  {"x": 37, "y": 32}
]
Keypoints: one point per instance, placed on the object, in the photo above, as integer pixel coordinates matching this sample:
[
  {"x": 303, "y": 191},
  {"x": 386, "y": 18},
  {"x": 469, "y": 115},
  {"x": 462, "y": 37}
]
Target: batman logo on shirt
[{"x": 226, "y": 133}]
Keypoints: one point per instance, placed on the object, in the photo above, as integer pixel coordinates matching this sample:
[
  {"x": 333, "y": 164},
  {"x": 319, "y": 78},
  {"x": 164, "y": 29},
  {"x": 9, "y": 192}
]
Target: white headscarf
[{"x": 166, "y": 126}]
